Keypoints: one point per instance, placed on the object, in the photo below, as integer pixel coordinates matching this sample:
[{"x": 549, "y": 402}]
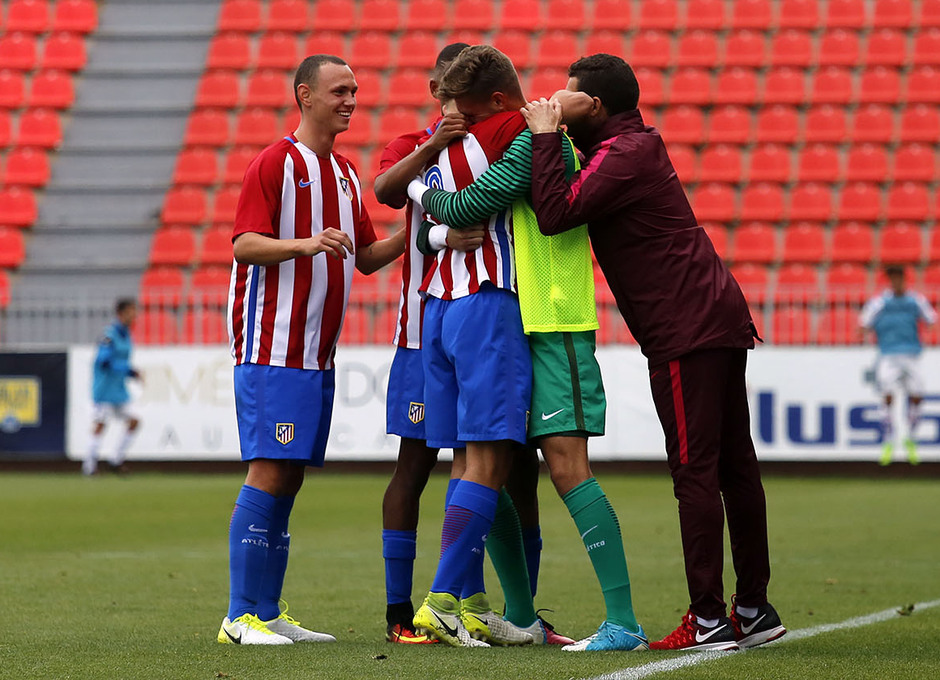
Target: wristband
[{"x": 416, "y": 189}]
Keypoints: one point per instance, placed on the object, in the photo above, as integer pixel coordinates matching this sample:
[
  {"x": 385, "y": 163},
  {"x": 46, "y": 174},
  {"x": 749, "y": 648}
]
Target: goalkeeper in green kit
[{"x": 555, "y": 282}]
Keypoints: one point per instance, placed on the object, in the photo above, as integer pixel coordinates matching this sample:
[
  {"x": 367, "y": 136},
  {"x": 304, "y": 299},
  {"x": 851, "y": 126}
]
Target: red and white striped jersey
[
  {"x": 290, "y": 314},
  {"x": 455, "y": 274},
  {"x": 415, "y": 264}
]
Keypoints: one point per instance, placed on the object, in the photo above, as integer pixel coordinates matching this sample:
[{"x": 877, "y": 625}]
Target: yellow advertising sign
[{"x": 20, "y": 399}]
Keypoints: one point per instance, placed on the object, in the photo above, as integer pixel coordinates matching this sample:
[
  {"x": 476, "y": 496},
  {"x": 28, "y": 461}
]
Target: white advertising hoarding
[{"x": 806, "y": 404}]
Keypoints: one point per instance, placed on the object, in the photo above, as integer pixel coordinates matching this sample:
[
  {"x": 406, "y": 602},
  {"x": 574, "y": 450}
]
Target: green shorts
[{"x": 567, "y": 390}]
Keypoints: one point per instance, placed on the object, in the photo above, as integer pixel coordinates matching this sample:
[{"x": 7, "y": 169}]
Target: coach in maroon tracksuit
[{"x": 690, "y": 318}]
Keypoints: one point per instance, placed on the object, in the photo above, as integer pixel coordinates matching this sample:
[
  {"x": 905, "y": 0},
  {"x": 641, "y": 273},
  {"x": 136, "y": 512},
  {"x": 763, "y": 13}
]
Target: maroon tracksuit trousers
[{"x": 702, "y": 404}]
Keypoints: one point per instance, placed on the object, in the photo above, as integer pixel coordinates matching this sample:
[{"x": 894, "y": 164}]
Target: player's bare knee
[{"x": 132, "y": 424}]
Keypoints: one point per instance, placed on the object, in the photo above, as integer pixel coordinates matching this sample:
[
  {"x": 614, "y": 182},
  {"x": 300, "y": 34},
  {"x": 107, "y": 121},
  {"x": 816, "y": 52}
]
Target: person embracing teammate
[
  {"x": 691, "y": 321},
  {"x": 299, "y": 218}
]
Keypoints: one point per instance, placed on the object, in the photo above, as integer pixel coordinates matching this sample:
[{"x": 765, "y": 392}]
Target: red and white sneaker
[
  {"x": 551, "y": 637},
  {"x": 691, "y": 635},
  {"x": 764, "y": 627}
]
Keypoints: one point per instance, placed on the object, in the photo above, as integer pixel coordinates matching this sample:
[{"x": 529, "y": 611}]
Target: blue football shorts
[
  {"x": 283, "y": 413},
  {"x": 404, "y": 399},
  {"x": 477, "y": 369}
]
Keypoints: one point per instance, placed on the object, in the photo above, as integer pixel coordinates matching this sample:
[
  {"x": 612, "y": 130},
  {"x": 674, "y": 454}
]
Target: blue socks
[
  {"x": 248, "y": 549},
  {"x": 278, "y": 548},
  {"x": 532, "y": 544},
  {"x": 398, "y": 549},
  {"x": 467, "y": 521}
]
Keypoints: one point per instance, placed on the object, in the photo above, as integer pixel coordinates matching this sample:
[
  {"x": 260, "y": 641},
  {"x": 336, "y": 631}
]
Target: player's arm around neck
[{"x": 258, "y": 249}]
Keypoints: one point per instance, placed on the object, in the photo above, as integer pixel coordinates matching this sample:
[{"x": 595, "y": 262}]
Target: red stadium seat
[
  {"x": 334, "y": 15},
  {"x": 27, "y": 167},
  {"x": 662, "y": 14},
  {"x": 927, "y": 47},
  {"x": 516, "y": 45},
  {"x": 395, "y": 122},
  {"x": 755, "y": 242},
  {"x": 812, "y": 202},
  {"x": 819, "y": 163},
  {"x": 860, "y": 201},
  {"x": 408, "y": 88},
  {"x": 557, "y": 49},
  {"x": 546, "y": 82},
  {"x": 846, "y": 282},
  {"x": 705, "y": 14},
  {"x": 240, "y": 15},
  {"x": 796, "y": 282},
  {"x": 237, "y": 162},
  {"x": 901, "y": 242},
  {"x": 12, "y": 89},
  {"x": 372, "y": 86},
  {"x": 608, "y": 42},
  {"x": 720, "y": 163},
  {"x": 651, "y": 48},
  {"x": 792, "y": 47},
  {"x": 204, "y": 327},
  {"x": 770, "y": 163},
  {"x": 370, "y": 49},
  {"x": 923, "y": 85},
  {"x": 612, "y": 14},
  {"x": 914, "y": 162},
  {"x": 428, "y": 15},
  {"x": 209, "y": 285},
  {"x": 908, "y": 201},
  {"x": 156, "y": 328},
  {"x": 762, "y": 201},
  {"x": 838, "y": 326},
  {"x": 791, "y": 326},
  {"x": 172, "y": 246},
  {"x": 521, "y": 15},
  {"x": 804, "y": 242},
  {"x": 683, "y": 124},
  {"x": 38, "y": 128},
  {"x": 51, "y": 89},
  {"x": 756, "y": 14},
  {"x": 873, "y": 123},
  {"x": 832, "y": 85},
  {"x": 197, "y": 166},
  {"x": 745, "y": 48},
  {"x": 383, "y": 15},
  {"x": 28, "y": 16},
  {"x": 216, "y": 246},
  {"x": 799, "y": 14},
  {"x": 18, "y": 51},
  {"x": 78, "y": 16},
  {"x": 929, "y": 13},
  {"x": 476, "y": 15},
  {"x": 12, "y": 248},
  {"x": 893, "y": 13},
  {"x": 879, "y": 84},
  {"x": 269, "y": 88},
  {"x": 852, "y": 242},
  {"x": 867, "y": 163},
  {"x": 6, "y": 130},
  {"x": 825, "y": 123},
  {"x": 292, "y": 16},
  {"x": 17, "y": 206},
  {"x": 846, "y": 14},
  {"x": 416, "y": 50},
  {"x": 653, "y": 89},
  {"x": 784, "y": 85},
  {"x": 714, "y": 202},
  {"x": 162, "y": 286},
  {"x": 839, "y": 47},
  {"x": 5, "y": 286},
  {"x": 684, "y": 161},
  {"x": 184, "y": 205},
  {"x": 752, "y": 278},
  {"x": 278, "y": 51},
  {"x": 256, "y": 127},
  {"x": 207, "y": 127},
  {"x": 736, "y": 86},
  {"x": 886, "y": 47},
  {"x": 697, "y": 48},
  {"x": 566, "y": 15},
  {"x": 777, "y": 123},
  {"x": 326, "y": 42},
  {"x": 224, "y": 204},
  {"x": 361, "y": 129},
  {"x": 920, "y": 123},
  {"x": 64, "y": 51},
  {"x": 688, "y": 86},
  {"x": 718, "y": 235},
  {"x": 218, "y": 89},
  {"x": 933, "y": 254}
]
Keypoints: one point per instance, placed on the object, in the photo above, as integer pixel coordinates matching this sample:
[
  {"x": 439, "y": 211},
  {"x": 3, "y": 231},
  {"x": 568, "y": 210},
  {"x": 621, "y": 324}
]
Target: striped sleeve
[{"x": 505, "y": 181}]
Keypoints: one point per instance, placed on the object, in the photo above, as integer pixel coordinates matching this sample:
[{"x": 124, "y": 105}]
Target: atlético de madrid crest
[
  {"x": 284, "y": 433},
  {"x": 344, "y": 185},
  {"x": 415, "y": 412}
]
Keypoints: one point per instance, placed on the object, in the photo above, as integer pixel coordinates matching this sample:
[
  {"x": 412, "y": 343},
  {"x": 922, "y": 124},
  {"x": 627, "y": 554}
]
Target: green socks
[
  {"x": 597, "y": 523},
  {"x": 504, "y": 544}
]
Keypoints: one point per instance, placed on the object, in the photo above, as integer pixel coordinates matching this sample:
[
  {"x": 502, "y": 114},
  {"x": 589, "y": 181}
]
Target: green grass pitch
[{"x": 128, "y": 578}]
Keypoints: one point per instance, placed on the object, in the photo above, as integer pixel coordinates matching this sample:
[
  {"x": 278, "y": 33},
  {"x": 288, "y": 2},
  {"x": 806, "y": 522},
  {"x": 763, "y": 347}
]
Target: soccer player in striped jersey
[
  {"x": 556, "y": 294},
  {"x": 300, "y": 228}
]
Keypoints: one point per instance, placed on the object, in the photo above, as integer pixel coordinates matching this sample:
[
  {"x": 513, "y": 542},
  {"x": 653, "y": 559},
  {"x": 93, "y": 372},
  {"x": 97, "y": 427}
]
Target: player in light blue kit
[
  {"x": 109, "y": 389},
  {"x": 893, "y": 316}
]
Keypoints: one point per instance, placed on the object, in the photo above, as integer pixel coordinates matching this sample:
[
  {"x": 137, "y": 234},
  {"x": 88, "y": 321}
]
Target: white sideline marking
[{"x": 668, "y": 665}]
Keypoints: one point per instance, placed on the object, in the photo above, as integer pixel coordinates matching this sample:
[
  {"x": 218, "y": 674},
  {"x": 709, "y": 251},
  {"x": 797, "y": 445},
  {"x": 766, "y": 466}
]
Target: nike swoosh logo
[
  {"x": 701, "y": 638},
  {"x": 588, "y": 531},
  {"x": 236, "y": 640},
  {"x": 747, "y": 629},
  {"x": 303, "y": 185},
  {"x": 254, "y": 529},
  {"x": 448, "y": 629},
  {"x": 552, "y": 415}
]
